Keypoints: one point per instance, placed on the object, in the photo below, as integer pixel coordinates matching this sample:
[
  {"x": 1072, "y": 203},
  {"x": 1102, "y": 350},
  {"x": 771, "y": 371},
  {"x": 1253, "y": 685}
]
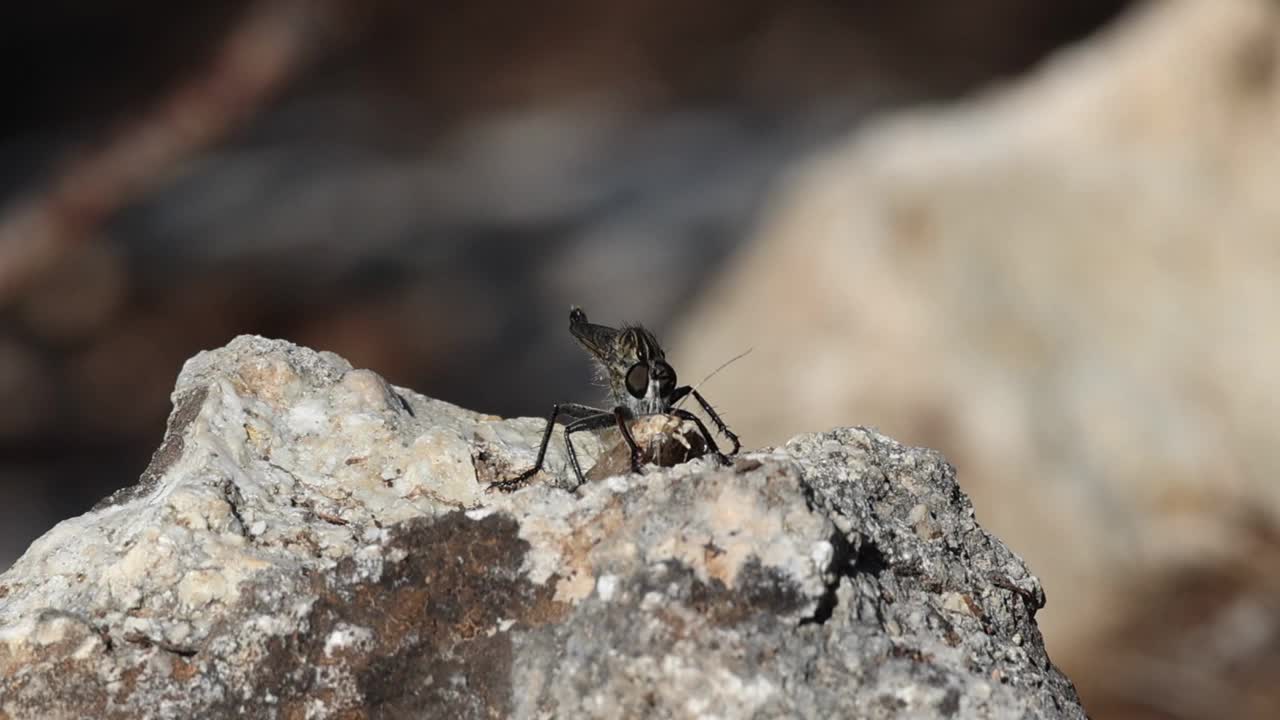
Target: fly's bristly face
[{"x": 631, "y": 362}]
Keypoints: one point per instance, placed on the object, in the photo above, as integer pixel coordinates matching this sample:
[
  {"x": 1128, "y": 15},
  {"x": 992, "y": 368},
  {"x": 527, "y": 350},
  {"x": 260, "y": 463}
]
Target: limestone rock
[{"x": 310, "y": 541}]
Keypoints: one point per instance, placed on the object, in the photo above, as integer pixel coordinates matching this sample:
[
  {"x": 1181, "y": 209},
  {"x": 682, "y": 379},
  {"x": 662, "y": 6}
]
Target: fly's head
[{"x": 631, "y": 361}]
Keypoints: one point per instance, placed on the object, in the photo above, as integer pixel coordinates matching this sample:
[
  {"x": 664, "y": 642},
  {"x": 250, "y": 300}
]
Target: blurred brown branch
[{"x": 260, "y": 54}]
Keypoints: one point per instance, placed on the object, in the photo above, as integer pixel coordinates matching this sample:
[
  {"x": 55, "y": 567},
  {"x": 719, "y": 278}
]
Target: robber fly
[{"x": 640, "y": 383}]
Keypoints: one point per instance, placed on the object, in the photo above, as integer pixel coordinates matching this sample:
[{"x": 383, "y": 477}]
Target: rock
[
  {"x": 1068, "y": 285},
  {"x": 310, "y": 541}
]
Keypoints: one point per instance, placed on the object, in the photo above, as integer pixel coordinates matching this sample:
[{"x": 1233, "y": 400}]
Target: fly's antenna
[{"x": 712, "y": 374}]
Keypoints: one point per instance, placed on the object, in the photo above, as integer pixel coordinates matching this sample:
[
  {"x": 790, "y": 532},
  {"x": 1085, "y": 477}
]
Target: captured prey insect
[{"x": 640, "y": 383}]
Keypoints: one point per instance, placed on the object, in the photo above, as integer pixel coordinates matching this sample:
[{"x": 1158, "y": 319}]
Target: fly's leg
[
  {"x": 591, "y": 422},
  {"x": 680, "y": 392},
  {"x": 621, "y": 415},
  {"x": 706, "y": 435},
  {"x": 570, "y": 410}
]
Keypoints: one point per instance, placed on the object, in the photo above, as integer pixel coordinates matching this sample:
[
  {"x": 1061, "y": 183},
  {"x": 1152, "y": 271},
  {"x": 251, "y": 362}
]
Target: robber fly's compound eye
[
  {"x": 638, "y": 379},
  {"x": 666, "y": 377}
]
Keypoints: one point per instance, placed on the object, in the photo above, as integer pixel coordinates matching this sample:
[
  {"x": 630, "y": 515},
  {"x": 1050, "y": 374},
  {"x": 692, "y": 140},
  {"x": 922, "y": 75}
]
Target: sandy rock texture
[
  {"x": 311, "y": 542},
  {"x": 1069, "y": 286}
]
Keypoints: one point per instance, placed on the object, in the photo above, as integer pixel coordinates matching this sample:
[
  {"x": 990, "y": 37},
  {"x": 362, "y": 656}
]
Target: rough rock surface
[
  {"x": 312, "y": 542},
  {"x": 1068, "y": 285}
]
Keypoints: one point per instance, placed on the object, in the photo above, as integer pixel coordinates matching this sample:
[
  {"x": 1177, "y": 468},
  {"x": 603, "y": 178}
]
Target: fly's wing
[{"x": 599, "y": 340}]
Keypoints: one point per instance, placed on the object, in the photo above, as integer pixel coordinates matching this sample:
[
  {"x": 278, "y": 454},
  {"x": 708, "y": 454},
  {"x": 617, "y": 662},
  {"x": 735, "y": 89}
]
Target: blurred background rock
[{"x": 1042, "y": 237}]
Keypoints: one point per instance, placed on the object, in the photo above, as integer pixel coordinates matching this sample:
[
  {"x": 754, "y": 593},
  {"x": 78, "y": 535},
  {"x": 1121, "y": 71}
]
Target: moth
[{"x": 641, "y": 382}]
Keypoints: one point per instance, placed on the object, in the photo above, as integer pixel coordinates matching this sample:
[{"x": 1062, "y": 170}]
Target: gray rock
[{"x": 310, "y": 541}]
